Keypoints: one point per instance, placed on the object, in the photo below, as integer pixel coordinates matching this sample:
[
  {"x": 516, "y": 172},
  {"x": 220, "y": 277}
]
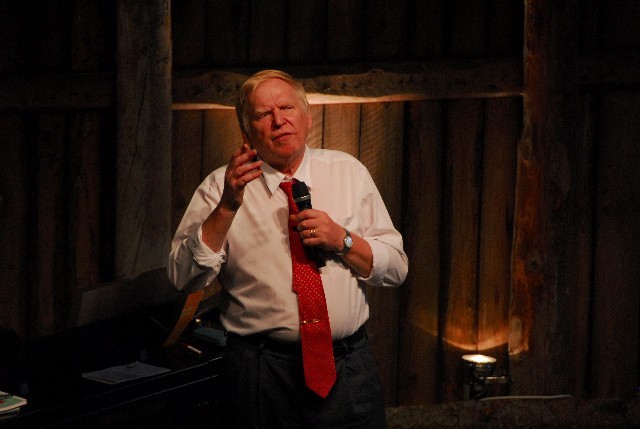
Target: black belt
[{"x": 340, "y": 347}]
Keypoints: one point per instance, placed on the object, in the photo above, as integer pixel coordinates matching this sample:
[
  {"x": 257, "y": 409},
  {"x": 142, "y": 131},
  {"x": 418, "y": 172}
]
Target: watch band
[{"x": 347, "y": 242}]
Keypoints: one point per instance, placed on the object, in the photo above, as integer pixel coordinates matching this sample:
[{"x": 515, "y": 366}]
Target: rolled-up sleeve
[
  {"x": 390, "y": 262},
  {"x": 192, "y": 264},
  {"x": 390, "y": 265}
]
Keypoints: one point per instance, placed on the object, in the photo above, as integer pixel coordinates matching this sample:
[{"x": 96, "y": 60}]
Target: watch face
[{"x": 348, "y": 241}]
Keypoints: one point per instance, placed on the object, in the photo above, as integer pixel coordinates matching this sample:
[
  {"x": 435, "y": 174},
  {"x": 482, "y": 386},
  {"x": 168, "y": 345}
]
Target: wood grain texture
[
  {"x": 189, "y": 33},
  {"x": 500, "y": 139},
  {"x": 306, "y": 32},
  {"x": 342, "y": 128},
  {"x": 419, "y": 350},
  {"x": 267, "y": 32},
  {"x": 314, "y": 139},
  {"x": 381, "y": 151},
  {"x": 15, "y": 227},
  {"x": 85, "y": 214},
  {"x": 227, "y": 33},
  {"x": 616, "y": 338},
  {"x": 345, "y": 37},
  {"x": 144, "y": 137},
  {"x": 186, "y": 161},
  {"x": 222, "y": 137},
  {"x": 462, "y": 190},
  {"x": 369, "y": 83},
  {"x": 50, "y": 292}
]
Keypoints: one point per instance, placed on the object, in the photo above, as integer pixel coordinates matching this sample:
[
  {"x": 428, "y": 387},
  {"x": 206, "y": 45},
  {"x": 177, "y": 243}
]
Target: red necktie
[{"x": 315, "y": 330}]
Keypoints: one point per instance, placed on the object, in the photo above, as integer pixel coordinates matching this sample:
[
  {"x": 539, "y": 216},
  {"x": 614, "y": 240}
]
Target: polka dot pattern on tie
[{"x": 315, "y": 329}]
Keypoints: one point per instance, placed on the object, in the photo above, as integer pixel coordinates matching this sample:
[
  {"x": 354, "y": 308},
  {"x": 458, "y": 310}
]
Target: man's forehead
[
  {"x": 271, "y": 84},
  {"x": 262, "y": 95}
]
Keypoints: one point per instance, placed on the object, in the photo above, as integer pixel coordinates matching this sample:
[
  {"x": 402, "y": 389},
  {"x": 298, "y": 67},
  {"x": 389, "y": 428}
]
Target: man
[{"x": 238, "y": 228}]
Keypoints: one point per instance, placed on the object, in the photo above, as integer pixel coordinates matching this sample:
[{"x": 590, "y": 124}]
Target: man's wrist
[{"x": 347, "y": 243}]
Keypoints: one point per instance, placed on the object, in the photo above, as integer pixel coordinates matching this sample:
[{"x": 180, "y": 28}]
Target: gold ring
[{"x": 313, "y": 232}]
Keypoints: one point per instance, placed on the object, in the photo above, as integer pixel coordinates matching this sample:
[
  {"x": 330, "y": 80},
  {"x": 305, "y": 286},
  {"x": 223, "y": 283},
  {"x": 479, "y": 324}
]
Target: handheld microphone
[{"x": 302, "y": 198}]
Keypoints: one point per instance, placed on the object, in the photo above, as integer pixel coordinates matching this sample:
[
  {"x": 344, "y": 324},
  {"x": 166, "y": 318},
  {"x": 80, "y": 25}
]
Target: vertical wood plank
[
  {"x": 459, "y": 333},
  {"x": 619, "y": 26},
  {"x": 419, "y": 296},
  {"x": 385, "y": 29},
  {"x": 342, "y": 128},
  {"x": 381, "y": 137},
  {"x": 85, "y": 168},
  {"x": 314, "y": 139},
  {"x": 227, "y": 27},
  {"x": 50, "y": 296},
  {"x": 144, "y": 136},
  {"x": 466, "y": 36},
  {"x": 48, "y": 50},
  {"x": 306, "y": 35},
  {"x": 189, "y": 33},
  {"x": 426, "y": 24},
  {"x": 616, "y": 319},
  {"x": 345, "y": 45},
  {"x": 531, "y": 258},
  {"x": 267, "y": 32},
  {"x": 90, "y": 199},
  {"x": 14, "y": 37},
  {"x": 505, "y": 27},
  {"x": 221, "y": 138},
  {"x": 578, "y": 273},
  {"x": 92, "y": 30},
  {"x": 186, "y": 161},
  {"x": 544, "y": 212},
  {"x": 14, "y": 224},
  {"x": 501, "y": 134},
  {"x": 467, "y": 29},
  {"x": 381, "y": 152}
]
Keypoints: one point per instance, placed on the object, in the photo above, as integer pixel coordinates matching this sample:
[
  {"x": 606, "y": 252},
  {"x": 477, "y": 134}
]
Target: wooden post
[
  {"x": 539, "y": 314},
  {"x": 143, "y": 201}
]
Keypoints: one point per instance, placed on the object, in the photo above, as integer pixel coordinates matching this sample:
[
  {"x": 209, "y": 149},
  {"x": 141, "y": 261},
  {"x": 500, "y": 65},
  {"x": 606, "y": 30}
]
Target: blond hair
[{"x": 257, "y": 79}]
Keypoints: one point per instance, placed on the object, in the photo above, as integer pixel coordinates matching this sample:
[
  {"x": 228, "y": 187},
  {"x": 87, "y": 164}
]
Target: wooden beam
[
  {"x": 538, "y": 347},
  {"x": 364, "y": 84},
  {"x": 345, "y": 84}
]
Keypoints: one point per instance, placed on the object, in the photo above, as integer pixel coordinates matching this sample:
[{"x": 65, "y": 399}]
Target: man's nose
[{"x": 278, "y": 118}]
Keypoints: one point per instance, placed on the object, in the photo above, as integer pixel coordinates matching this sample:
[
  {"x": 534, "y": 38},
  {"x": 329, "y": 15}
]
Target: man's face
[{"x": 277, "y": 125}]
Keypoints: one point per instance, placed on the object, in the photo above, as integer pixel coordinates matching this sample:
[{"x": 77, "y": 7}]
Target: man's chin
[{"x": 284, "y": 159}]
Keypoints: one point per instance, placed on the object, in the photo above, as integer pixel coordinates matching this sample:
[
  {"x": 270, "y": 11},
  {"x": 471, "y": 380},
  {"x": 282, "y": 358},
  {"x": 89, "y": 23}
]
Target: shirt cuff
[
  {"x": 380, "y": 262},
  {"x": 202, "y": 254}
]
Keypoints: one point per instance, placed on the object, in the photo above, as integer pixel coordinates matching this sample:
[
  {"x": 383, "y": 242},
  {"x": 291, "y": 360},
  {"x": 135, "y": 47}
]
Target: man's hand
[
  {"x": 242, "y": 169},
  {"x": 319, "y": 230}
]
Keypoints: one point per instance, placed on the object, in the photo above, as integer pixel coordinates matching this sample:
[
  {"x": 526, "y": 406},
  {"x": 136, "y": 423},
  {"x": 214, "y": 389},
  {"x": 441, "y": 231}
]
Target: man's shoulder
[
  {"x": 217, "y": 173},
  {"x": 332, "y": 155},
  {"x": 215, "y": 176}
]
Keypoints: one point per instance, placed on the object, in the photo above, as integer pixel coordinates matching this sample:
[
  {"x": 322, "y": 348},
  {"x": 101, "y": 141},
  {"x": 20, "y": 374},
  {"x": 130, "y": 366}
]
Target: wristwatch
[{"x": 348, "y": 242}]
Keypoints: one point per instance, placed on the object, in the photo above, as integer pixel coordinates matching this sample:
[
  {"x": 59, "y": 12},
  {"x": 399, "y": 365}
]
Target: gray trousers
[{"x": 264, "y": 387}]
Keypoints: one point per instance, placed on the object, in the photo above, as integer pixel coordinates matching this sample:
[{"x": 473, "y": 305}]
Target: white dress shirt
[{"x": 254, "y": 266}]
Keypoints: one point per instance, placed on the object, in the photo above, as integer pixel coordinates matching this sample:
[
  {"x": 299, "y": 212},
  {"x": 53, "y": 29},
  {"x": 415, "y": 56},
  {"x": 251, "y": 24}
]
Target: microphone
[{"x": 302, "y": 198}]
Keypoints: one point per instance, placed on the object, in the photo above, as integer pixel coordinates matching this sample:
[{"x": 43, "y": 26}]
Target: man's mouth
[{"x": 281, "y": 136}]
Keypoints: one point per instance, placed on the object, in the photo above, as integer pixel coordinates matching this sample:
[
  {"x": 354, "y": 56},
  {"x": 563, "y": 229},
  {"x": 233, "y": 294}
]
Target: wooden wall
[{"x": 512, "y": 177}]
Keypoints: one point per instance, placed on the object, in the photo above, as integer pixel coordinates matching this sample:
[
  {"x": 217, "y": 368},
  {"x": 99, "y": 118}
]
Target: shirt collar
[{"x": 273, "y": 177}]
